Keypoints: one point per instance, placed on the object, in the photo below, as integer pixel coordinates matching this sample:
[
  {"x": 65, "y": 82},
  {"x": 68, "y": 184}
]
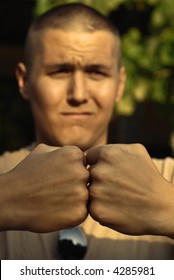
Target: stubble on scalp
[{"x": 69, "y": 18}]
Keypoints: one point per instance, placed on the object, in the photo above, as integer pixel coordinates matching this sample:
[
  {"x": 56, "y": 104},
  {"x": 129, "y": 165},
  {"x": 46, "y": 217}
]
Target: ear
[
  {"x": 22, "y": 79},
  {"x": 121, "y": 84}
]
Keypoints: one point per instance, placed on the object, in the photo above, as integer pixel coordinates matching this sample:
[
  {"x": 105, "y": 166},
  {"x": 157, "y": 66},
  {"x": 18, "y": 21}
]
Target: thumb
[{"x": 92, "y": 156}]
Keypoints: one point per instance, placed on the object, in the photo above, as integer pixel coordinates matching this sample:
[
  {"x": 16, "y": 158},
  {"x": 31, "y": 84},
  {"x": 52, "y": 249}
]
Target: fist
[
  {"x": 127, "y": 193},
  {"x": 50, "y": 191}
]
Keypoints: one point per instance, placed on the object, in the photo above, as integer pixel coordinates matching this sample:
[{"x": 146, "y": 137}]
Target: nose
[{"x": 77, "y": 92}]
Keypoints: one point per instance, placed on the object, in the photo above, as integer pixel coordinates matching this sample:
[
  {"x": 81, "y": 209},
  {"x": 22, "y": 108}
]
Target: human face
[{"x": 72, "y": 86}]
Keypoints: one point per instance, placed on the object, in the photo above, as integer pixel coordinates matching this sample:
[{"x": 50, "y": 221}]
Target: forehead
[{"x": 98, "y": 46}]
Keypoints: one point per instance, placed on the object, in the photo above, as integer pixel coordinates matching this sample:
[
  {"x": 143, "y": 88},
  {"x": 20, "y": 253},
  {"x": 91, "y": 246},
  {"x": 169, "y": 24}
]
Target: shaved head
[{"x": 74, "y": 17}]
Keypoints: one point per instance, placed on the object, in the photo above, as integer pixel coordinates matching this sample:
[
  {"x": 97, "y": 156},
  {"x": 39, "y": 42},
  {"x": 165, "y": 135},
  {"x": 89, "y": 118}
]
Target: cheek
[
  {"x": 45, "y": 93},
  {"x": 106, "y": 98},
  {"x": 108, "y": 110}
]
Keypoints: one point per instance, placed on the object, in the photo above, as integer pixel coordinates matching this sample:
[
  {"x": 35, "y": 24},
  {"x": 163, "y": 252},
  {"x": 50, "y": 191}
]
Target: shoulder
[
  {"x": 8, "y": 160},
  {"x": 166, "y": 167}
]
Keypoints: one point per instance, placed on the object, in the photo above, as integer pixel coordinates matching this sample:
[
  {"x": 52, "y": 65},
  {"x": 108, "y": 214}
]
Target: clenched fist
[
  {"x": 127, "y": 192},
  {"x": 47, "y": 191}
]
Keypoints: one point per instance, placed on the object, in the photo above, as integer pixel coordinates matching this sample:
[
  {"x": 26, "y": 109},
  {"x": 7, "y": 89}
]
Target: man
[{"x": 72, "y": 77}]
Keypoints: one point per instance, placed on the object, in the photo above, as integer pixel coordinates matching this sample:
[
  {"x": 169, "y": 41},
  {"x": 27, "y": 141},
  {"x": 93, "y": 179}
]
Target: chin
[
  {"x": 78, "y": 143},
  {"x": 81, "y": 146}
]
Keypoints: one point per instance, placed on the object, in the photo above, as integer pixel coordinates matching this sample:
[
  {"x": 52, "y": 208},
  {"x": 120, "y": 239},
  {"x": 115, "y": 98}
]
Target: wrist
[
  {"x": 4, "y": 200},
  {"x": 9, "y": 220},
  {"x": 164, "y": 221}
]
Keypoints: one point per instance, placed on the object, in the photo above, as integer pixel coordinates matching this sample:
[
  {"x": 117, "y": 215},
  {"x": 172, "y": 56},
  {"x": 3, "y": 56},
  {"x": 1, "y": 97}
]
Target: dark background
[
  {"x": 148, "y": 125},
  {"x": 16, "y": 128}
]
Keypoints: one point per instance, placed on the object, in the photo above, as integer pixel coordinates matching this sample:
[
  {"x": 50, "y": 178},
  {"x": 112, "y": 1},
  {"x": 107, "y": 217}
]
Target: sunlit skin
[{"x": 72, "y": 86}]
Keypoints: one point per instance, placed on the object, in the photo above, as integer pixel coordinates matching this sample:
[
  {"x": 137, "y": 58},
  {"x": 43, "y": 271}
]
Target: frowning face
[{"x": 72, "y": 87}]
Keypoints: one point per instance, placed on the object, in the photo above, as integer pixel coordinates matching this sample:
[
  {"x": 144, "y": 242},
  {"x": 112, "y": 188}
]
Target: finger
[
  {"x": 92, "y": 156},
  {"x": 85, "y": 163}
]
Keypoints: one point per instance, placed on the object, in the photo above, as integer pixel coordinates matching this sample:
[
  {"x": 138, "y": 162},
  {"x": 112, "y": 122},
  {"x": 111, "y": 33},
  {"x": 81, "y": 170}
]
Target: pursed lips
[{"x": 77, "y": 115}]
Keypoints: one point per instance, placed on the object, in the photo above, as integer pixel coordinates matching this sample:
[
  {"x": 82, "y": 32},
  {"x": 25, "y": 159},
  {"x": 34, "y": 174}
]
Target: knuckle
[
  {"x": 97, "y": 173},
  {"x": 81, "y": 218},
  {"x": 80, "y": 214},
  {"x": 73, "y": 152},
  {"x": 94, "y": 192},
  {"x": 95, "y": 211},
  {"x": 138, "y": 147},
  {"x": 85, "y": 175},
  {"x": 83, "y": 194},
  {"x": 106, "y": 152},
  {"x": 81, "y": 174}
]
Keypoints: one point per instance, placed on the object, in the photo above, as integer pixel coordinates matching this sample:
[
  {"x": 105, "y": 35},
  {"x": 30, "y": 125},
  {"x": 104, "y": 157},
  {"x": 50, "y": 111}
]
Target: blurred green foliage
[
  {"x": 147, "y": 31},
  {"x": 101, "y": 5}
]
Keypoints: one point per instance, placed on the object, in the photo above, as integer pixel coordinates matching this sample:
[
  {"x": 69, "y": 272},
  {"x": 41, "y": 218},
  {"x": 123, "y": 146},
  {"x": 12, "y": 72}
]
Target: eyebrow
[
  {"x": 98, "y": 66},
  {"x": 71, "y": 66},
  {"x": 59, "y": 65}
]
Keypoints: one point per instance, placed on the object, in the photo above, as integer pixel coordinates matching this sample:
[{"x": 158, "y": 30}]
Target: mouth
[{"x": 77, "y": 115}]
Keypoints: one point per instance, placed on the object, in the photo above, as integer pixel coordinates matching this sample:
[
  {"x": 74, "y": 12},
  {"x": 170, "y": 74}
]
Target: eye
[
  {"x": 96, "y": 74},
  {"x": 97, "y": 71},
  {"x": 61, "y": 71}
]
